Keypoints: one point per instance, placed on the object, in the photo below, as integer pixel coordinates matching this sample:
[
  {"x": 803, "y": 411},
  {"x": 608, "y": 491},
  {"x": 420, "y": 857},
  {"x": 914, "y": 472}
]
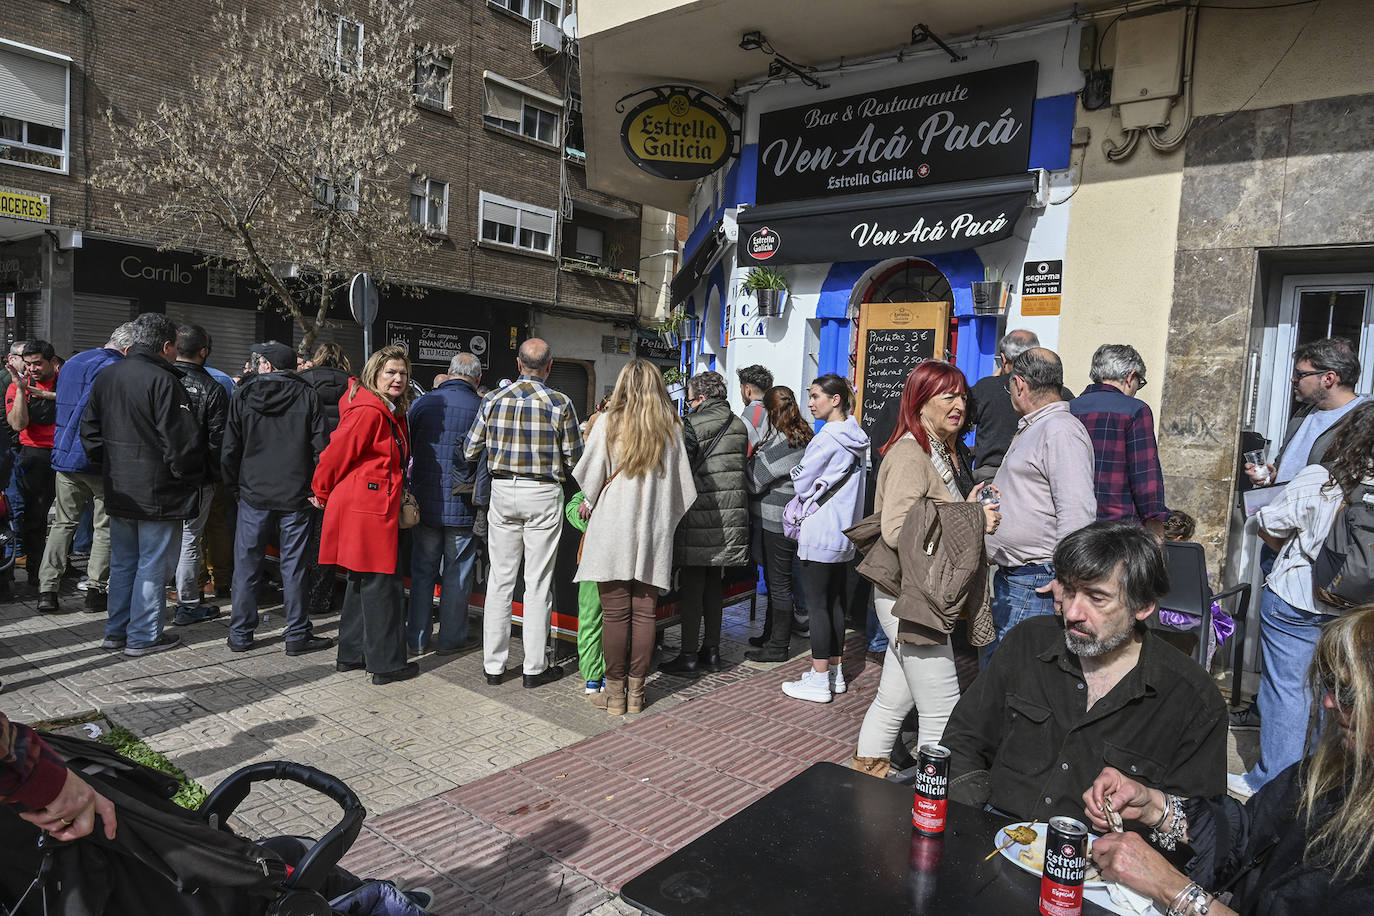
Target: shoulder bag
[{"x": 797, "y": 512}]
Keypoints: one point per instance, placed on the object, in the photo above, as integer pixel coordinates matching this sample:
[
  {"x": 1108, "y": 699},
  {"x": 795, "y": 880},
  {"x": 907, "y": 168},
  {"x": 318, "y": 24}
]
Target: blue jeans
[
  {"x": 141, "y": 557},
  {"x": 1014, "y": 599},
  {"x": 85, "y": 531},
  {"x": 877, "y": 639},
  {"x": 457, "y": 548},
  {"x": 1288, "y": 640}
]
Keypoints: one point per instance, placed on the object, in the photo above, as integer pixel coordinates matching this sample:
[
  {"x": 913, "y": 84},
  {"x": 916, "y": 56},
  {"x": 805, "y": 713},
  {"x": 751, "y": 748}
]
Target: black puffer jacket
[
  {"x": 139, "y": 427},
  {"x": 273, "y": 439},
  {"x": 715, "y": 530},
  {"x": 210, "y": 404},
  {"x": 329, "y": 383}
]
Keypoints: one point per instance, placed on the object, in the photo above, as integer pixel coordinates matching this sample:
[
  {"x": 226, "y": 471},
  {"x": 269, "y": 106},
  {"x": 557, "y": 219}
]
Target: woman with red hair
[{"x": 924, "y": 459}]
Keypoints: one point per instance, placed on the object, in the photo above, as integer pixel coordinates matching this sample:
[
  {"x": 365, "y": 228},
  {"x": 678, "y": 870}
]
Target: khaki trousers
[{"x": 73, "y": 493}]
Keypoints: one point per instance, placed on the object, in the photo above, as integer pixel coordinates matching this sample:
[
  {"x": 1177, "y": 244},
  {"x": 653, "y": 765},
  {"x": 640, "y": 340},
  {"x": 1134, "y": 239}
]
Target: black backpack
[{"x": 1343, "y": 572}]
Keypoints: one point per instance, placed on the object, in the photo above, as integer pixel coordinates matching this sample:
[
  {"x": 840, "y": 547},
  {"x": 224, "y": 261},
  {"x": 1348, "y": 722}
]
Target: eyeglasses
[
  {"x": 1301, "y": 374},
  {"x": 1140, "y": 381},
  {"x": 1343, "y": 694}
]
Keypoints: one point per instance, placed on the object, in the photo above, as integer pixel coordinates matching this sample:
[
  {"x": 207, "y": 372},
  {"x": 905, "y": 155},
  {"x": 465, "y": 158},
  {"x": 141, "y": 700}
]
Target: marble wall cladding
[
  {"x": 1233, "y": 180},
  {"x": 1207, "y": 501},
  {"x": 1330, "y": 173}
]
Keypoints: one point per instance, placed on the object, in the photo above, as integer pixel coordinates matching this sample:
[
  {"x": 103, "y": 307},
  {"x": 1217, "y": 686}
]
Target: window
[
  {"x": 432, "y": 79},
  {"x": 220, "y": 281},
  {"x": 348, "y": 49},
  {"x": 329, "y": 194},
  {"x": 429, "y": 203},
  {"x": 533, "y": 9},
  {"x": 517, "y": 225},
  {"x": 508, "y": 106},
  {"x": 590, "y": 244},
  {"x": 33, "y": 107}
]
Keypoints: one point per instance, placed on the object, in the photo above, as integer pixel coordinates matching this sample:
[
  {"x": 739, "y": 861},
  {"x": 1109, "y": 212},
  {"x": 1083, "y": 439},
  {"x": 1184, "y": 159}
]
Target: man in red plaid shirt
[{"x": 1126, "y": 472}]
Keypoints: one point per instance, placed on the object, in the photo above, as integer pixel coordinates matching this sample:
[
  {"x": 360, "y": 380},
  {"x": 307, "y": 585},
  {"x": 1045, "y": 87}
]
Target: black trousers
[
  {"x": 702, "y": 591},
  {"x": 38, "y": 483},
  {"x": 372, "y": 627},
  {"x": 779, "y": 552},
  {"x": 824, "y": 587}
]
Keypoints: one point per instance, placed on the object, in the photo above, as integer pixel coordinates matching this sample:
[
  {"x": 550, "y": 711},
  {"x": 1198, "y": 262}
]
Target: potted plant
[
  {"x": 768, "y": 286},
  {"x": 676, "y": 382},
  {"x": 990, "y": 293},
  {"x": 671, "y": 329}
]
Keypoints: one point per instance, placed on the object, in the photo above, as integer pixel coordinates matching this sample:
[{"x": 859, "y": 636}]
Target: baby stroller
[{"x": 167, "y": 860}]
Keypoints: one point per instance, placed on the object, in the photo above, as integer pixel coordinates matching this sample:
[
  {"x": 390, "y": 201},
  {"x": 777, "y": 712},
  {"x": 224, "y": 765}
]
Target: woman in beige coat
[
  {"x": 638, "y": 485},
  {"x": 924, "y": 459}
]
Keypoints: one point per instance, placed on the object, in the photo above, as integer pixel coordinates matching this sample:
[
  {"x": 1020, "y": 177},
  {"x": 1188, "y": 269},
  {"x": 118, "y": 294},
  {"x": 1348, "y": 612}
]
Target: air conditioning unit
[{"x": 545, "y": 36}]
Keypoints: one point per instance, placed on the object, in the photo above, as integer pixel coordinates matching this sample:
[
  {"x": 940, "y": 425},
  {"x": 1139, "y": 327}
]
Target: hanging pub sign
[
  {"x": 678, "y": 132},
  {"x": 974, "y": 125}
]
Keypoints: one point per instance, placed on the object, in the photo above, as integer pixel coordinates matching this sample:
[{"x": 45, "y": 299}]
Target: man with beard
[{"x": 1089, "y": 687}]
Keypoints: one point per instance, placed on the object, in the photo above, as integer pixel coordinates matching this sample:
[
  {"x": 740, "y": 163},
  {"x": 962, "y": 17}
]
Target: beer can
[
  {"x": 932, "y": 790},
  {"x": 1066, "y": 860}
]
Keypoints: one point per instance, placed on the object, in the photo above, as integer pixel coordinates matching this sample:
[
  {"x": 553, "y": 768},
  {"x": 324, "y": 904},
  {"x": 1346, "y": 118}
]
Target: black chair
[{"x": 1190, "y": 593}]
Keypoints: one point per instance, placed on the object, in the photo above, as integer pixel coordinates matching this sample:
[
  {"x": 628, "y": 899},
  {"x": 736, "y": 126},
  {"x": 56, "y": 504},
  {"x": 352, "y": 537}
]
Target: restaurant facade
[{"x": 1192, "y": 180}]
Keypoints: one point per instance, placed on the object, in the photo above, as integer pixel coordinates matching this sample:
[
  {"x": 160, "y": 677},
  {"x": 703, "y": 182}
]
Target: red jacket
[{"x": 360, "y": 479}]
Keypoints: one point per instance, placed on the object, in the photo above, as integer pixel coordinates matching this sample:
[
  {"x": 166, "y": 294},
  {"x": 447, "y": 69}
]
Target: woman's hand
[
  {"x": 1125, "y": 858},
  {"x": 991, "y": 519},
  {"x": 316, "y": 502},
  {"x": 1128, "y": 798},
  {"x": 584, "y": 510},
  {"x": 71, "y": 815}
]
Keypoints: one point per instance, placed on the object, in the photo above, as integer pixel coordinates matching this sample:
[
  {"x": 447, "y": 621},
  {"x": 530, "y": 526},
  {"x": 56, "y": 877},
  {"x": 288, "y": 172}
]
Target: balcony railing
[{"x": 593, "y": 269}]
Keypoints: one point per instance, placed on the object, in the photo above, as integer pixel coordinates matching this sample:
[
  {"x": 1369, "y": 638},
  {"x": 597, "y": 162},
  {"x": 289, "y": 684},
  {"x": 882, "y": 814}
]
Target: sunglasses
[
  {"x": 1343, "y": 694},
  {"x": 1304, "y": 373}
]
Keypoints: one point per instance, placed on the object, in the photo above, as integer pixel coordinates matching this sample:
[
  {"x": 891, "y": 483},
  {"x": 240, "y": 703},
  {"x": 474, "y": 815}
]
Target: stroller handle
[{"x": 315, "y": 866}]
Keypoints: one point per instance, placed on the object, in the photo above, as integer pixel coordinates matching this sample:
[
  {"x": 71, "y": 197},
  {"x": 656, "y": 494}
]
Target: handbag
[
  {"x": 796, "y": 511},
  {"x": 410, "y": 510}
]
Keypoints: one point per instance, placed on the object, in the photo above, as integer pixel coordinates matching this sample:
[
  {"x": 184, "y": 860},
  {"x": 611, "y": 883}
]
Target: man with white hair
[
  {"x": 1127, "y": 478},
  {"x": 446, "y": 485},
  {"x": 990, "y": 404}
]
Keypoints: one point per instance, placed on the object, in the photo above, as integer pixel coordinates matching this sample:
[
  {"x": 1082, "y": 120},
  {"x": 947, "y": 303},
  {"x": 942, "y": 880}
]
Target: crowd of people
[{"x": 1042, "y": 541}]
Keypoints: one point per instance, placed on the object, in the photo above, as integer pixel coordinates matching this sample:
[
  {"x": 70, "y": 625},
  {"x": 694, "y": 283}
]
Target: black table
[{"x": 832, "y": 840}]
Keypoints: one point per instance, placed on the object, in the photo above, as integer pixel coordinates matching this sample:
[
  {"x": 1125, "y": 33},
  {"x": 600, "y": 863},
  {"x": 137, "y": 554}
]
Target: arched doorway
[{"x": 907, "y": 280}]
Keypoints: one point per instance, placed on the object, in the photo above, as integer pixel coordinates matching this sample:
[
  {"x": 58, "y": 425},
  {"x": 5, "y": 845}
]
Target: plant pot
[
  {"x": 670, "y": 338},
  {"x": 990, "y": 297},
  {"x": 677, "y": 391},
  {"x": 770, "y": 302}
]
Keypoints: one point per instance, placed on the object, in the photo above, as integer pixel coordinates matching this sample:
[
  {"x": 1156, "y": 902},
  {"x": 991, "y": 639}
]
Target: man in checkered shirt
[{"x": 531, "y": 438}]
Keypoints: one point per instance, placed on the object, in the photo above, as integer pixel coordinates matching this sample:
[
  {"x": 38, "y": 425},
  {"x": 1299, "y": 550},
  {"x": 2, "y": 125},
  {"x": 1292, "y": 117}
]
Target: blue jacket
[
  {"x": 439, "y": 422},
  {"x": 73, "y": 391}
]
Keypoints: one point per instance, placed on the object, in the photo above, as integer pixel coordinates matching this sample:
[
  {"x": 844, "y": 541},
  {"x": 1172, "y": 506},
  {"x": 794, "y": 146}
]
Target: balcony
[
  {"x": 593, "y": 269},
  {"x": 603, "y": 291}
]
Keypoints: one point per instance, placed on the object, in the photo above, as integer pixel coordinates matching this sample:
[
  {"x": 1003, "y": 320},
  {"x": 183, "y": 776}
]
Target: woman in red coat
[{"x": 358, "y": 483}]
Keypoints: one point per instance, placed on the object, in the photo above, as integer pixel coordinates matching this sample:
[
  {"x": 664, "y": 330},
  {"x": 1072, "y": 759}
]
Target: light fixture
[
  {"x": 660, "y": 254},
  {"x": 921, "y": 32},
  {"x": 755, "y": 41}
]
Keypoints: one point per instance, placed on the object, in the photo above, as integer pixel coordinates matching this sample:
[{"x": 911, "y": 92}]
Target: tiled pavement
[{"x": 503, "y": 800}]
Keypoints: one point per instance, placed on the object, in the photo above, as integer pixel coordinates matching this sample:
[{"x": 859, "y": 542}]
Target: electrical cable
[
  {"x": 1267, "y": 6},
  {"x": 1156, "y": 135}
]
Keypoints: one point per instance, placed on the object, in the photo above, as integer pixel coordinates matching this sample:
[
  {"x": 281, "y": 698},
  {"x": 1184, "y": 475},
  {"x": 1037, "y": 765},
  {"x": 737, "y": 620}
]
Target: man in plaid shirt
[
  {"x": 531, "y": 438},
  {"x": 1126, "y": 473}
]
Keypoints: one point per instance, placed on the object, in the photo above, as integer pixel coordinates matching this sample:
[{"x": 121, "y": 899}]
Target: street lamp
[{"x": 669, "y": 252}]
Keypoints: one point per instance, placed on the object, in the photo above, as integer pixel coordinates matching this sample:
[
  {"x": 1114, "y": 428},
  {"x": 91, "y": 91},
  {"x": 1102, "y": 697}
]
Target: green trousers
[{"x": 590, "y": 658}]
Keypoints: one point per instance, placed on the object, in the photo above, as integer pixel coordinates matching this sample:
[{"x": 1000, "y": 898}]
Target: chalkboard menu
[{"x": 893, "y": 338}]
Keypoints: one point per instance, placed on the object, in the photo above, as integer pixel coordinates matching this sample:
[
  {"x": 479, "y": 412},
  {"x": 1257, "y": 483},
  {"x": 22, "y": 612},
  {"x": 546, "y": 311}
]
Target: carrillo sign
[{"x": 975, "y": 125}]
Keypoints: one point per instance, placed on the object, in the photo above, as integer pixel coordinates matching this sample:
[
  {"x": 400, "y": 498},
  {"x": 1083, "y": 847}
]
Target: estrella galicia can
[
  {"x": 1066, "y": 860},
  {"x": 932, "y": 790}
]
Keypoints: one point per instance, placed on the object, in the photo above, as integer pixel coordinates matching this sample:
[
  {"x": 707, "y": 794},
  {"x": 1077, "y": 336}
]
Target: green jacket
[{"x": 715, "y": 530}]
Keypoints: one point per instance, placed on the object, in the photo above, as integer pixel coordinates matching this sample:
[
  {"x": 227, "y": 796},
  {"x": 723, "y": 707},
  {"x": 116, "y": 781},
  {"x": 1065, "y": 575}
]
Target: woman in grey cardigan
[{"x": 770, "y": 481}]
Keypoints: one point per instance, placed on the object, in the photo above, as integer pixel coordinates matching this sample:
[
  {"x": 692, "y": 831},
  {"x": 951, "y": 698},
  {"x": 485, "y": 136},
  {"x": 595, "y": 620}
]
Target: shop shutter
[
  {"x": 347, "y": 334},
  {"x": 232, "y": 331},
  {"x": 35, "y": 315},
  {"x": 94, "y": 318},
  {"x": 33, "y": 89},
  {"x": 571, "y": 378}
]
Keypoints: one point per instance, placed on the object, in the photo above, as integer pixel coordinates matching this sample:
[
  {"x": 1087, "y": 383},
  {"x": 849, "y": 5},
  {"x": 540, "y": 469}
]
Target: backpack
[{"x": 1343, "y": 572}]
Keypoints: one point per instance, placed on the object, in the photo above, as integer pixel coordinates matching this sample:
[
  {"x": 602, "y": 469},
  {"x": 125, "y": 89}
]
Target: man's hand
[
  {"x": 1057, "y": 590},
  {"x": 991, "y": 519},
  {"x": 21, "y": 380},
  {"x": 71, "y": 815}
]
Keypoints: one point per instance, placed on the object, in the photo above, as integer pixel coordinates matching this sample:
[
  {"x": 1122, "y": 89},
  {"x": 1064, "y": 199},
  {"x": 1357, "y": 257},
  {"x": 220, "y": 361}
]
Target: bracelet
[
  {"x": 1163, "y": 813},
  {"x": 1191, "y": 901},
  {"x": 1176, "y": 905},
  {"x": 1178, "y": 826}
]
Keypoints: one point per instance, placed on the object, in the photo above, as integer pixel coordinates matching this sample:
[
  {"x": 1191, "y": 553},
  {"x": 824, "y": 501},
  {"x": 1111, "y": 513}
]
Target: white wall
[{"x": 580, "y": 338}]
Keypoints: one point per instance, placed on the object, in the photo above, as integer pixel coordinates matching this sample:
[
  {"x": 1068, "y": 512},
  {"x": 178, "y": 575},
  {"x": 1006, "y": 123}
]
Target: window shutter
[
  {"x": 537, "y": 222},
  {"x": 501, "y": 102},
  {"x": 33, "y": 90},
  {"x": 498, "y": 213}
]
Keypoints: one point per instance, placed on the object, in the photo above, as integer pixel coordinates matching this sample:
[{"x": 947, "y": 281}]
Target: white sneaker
[
  {"x": 837, "y": 684},
  {"x": 814, "y": 686},
  {"x": 1237, "y": 786}
]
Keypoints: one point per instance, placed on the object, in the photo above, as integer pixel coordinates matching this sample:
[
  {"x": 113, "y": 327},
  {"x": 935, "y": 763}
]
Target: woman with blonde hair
[
  {"x": 358, "y": 483},
  {"x": 1302, "y": 844},
  {"x": 638, "y": 484}
]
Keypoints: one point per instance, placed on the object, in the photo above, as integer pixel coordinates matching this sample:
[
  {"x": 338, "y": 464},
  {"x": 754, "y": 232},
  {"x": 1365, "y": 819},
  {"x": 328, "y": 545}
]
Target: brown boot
[
  {"x": 635, "y": 701},
  {"x": 598, "y": 699},
  {"x": 873, "y": 766},
  {"x": 615, "y": 696}
]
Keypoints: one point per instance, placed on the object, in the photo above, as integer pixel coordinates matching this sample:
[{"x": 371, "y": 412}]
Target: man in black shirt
[
  {"x": 990, "y": 404},
  {"x": 1066, "y": 695}
]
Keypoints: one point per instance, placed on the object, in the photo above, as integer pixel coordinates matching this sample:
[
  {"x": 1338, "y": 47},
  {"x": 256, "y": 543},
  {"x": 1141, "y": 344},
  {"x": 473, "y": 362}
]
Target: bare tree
[{"x": 283, "y": 161}]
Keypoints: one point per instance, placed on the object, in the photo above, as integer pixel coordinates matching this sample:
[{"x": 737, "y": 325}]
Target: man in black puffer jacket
[
  {"x": 139, "y": 428},
  {"x": 274, "y": 437},
  {"x": 714, "y": 533},
  {"x": 328, "y": 375}
]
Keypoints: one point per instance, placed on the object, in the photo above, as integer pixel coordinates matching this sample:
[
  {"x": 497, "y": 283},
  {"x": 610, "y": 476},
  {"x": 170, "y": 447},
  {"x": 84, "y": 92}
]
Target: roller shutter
[
  {"x": 94, "y": 318},
  {"x": 232, "y": 331},
  {"x": 347, "y": 334},
  {"x": 571, "y": 378}
]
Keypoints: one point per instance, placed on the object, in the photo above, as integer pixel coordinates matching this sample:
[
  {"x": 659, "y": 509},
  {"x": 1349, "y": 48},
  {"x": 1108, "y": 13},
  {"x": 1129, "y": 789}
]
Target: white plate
[{"x": 1013, "y": 852}]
